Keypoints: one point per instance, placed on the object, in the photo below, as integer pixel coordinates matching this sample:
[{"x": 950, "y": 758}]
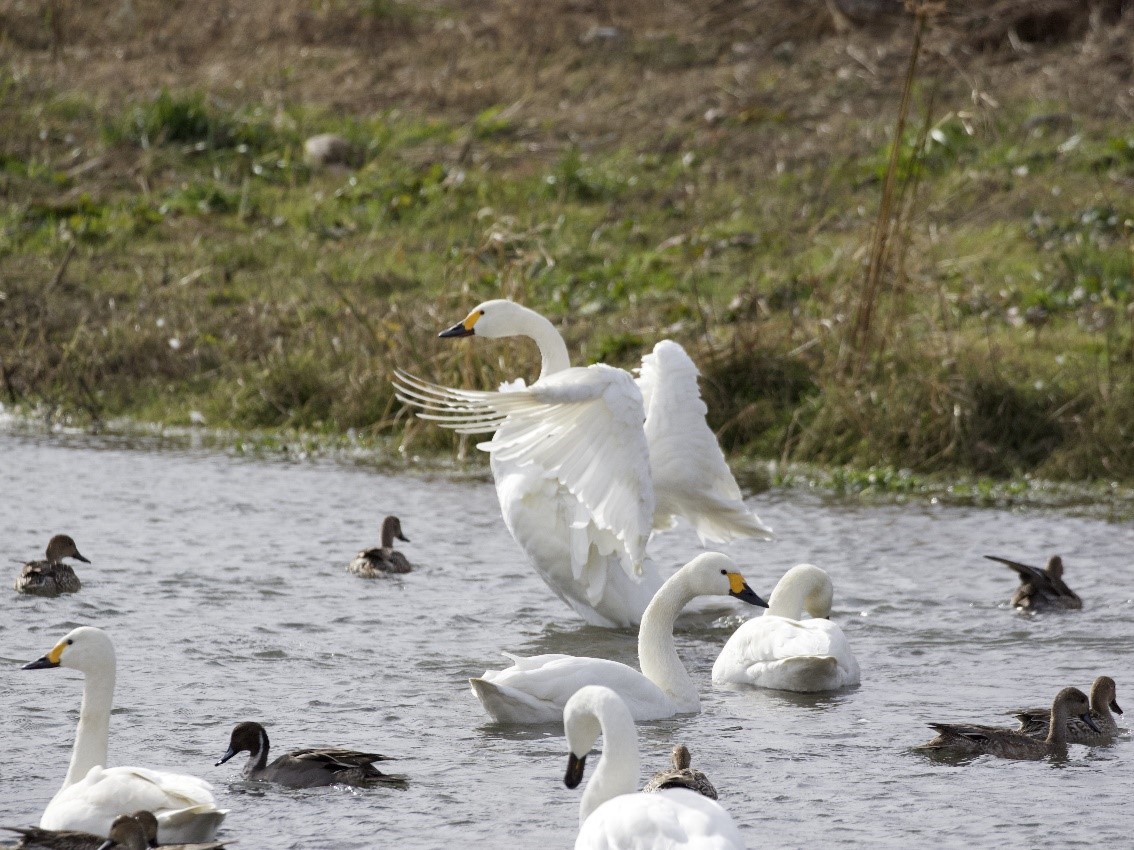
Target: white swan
[
  {"x": 780, "y": 651},
  {"x": 588, "y": 462},
  {"x": 612, "y": 813},
  {"x": 535, "y": 689},
  {"x": 92, "y": 795}
]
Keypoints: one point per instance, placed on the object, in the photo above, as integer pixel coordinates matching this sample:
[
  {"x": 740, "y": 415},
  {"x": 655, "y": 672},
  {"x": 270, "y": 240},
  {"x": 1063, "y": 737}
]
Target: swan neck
[
  {"x": 94, "y": 725},
  {"x": 657, "y": 653},
  {"x": 617, "y": 770},
  {"x": 552, "y": 348}
]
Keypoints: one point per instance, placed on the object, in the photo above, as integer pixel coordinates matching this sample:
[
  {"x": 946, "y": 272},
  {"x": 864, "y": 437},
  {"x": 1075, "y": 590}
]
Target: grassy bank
[{"x": 167, "y": 255}]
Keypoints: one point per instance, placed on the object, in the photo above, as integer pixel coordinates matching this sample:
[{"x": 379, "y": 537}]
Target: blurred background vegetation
[{"x": 722, "y": 173}]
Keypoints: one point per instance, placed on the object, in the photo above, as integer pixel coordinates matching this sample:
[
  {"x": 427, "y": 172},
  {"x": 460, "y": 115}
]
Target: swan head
[
  {"x": 805, "y": 587},
  {"x": 61, "y": 546},
  {"x": 246, "y": 737},
  {"x": 714, "y": 574},
  {"x": 86, "y": 648},
  {"x": 494, "y": 319},
  {"x": 1105, "y": 692},
  {"x": 583, "y": 716},
  {"x": 125, "y": 832}
]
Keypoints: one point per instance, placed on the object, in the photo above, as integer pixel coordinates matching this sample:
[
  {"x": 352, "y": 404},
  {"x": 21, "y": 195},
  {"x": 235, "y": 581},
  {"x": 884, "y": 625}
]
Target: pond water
[{"x": 221, "y": 581}]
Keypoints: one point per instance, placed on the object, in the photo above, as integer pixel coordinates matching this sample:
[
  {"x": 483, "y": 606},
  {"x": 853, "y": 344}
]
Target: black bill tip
[
  {"x": 42, "y": 663},
  {"x": 746, "y": 594},
  {"x": 575, "y": 767},
  {"x": 458, "y": 329}
]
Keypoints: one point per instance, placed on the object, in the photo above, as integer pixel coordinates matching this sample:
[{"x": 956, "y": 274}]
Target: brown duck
[
  {"x": 384, "y": 559},
  {"x": 36, "y": 838},
  {"x": 134, "y": 832},
  {"x": 681, "y": 775},
  {"x": 972, "y": 740},
  {"x": 1035, "y": 721},
  {"x": 52, "y": 577},
  {"x": 1040, "y": 589}
]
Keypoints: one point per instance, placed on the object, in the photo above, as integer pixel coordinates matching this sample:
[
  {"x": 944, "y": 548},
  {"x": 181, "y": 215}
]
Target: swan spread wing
[
  {"x": 673, "y": 819},
  {"x": 582, "y": 426},
  {"x": 690, "y": 475}
]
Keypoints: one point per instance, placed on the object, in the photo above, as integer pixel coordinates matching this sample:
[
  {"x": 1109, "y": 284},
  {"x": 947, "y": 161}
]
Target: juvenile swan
[
  {"x": 1035, "y": 721},
  {"x": 971, "y": 739},
  {"x": 92, "y": 796},
  {"x": 52, "y": 577},
  {"x": 589, "y": 461},
  {"x": 383, "y": 559},
  {"x": 535, "y": 689},
  {"x": 681, "y": 775},
  {"x": 781, "y": 651},
  {"x": 1041, "y": 589},
  {"x": 612, "y": 814},
  {"x": 307, "y": 768},
  {"x": 130, "y": 833}
]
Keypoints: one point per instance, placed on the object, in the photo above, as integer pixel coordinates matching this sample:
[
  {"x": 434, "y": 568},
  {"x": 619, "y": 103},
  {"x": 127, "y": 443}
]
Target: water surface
[{"x": 221, "y": 581}]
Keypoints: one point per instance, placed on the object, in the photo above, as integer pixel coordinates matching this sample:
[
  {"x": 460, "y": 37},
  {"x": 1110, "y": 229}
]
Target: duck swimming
[
  {"x": 780, "y": 650},
  {"x": 535, "y": 689},
  {"x": 612, "y": 813},
  {"x": 384, "y": 559},
  {"x": 972, "y": 739},
  {"x": 307, "y": 768},
  {"x": 52, "y": 577},
  {"x": 1035, "y": 721},
  {"x": 589, "y": 462},
  {"x": 681, "y": 775},
  {"x": 1041, "y": 589},
  {"x": 92, "y": 795},
  {"x": 131, "y": 833}
]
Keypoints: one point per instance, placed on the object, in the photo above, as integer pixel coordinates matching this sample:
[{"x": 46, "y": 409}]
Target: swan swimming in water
[
  {"x": 612, "y": 812},
  {"x": 589, "y": 461},
  {"x": 781, "y": 651},
  {"x": 93, "y": 795},
  {"x": 534, "y": 690}
]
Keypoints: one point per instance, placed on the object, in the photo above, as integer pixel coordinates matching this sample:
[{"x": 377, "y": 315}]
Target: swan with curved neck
[
  {"x": 782, "y": 651},
  {"x": 535, "y": 689},
  {"x": 611, "y": 807},
  {"x": 93, "y": 795},
  {"x": 589, "y": 461}
]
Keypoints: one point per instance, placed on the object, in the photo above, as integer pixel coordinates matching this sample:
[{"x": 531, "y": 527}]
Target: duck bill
[
  {"x": 229, "y": 753},
  {"x": 403, "y": 538},
  {"x": 106, "y": 845},
  {"x": 1115, "y": 707},
  {"x": 1090, "y": 721},
  {"x": 575, "y": 767},
  {"x": 458, "y": 329},
  {"x": 79, "y": 557},
  {"x": 739, "y": 589}
]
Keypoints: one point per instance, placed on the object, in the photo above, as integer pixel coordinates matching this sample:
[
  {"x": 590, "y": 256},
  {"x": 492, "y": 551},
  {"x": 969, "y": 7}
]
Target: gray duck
[
  {"x": 384, "y": 559},
  {"x": 52, "y": 577},
  {"x": 681, "y": 775},
  {"x": 132, "y": 832},
  {"x": 1034, "y": 721},
  {"x": 964, "y": 739},
  {"x": 306, "y": 768},
  {"x": 1040, "y": 589}
]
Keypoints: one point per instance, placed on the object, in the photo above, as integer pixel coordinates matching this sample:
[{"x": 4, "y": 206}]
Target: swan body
[
  {"x": 589, "y": 461},
  {"x": 384, "y": 559},
  {"x": 92, "y": 795},
  {"x": 783, "y": 652},
  {"x": 613, "y": 815},
  {"x": 535, "y": 689},
  {"x": 970, "y": 739},
  {"x": 52, "y": 577},
  {"x": 306, "y": 768}
]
